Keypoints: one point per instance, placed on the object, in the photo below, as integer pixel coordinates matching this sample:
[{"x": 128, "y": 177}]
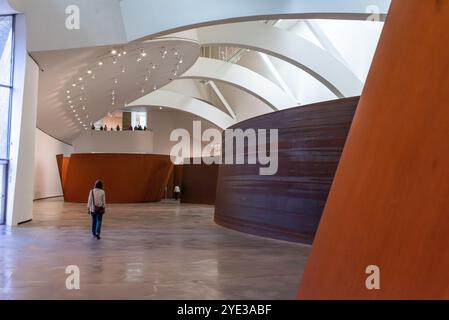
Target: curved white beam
[
  {"x": 176, "y": 15},
  {"x": 174, "y": 100},
  {"x": 289, "y": 47},
  {"x": 243, "y": 78},
  {"x": 112, "y": 22}
]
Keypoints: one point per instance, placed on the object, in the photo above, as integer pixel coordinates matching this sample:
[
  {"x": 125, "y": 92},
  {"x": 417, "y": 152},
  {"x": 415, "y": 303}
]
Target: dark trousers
[
  {"x": 176, "y": 195},
  {"x": 97, "y": 218}
]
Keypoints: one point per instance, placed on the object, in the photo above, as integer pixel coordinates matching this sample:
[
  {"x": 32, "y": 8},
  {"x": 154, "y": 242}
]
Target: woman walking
[{"x": 96, "y": 205}]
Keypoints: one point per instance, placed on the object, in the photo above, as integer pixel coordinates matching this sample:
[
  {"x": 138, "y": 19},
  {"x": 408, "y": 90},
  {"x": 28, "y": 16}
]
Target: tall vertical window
[{"x": 6, "y": 71}]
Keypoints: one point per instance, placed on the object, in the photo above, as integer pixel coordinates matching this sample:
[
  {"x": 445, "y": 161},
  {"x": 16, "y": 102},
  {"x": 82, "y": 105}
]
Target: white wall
[
  {"x": 47, "y": 182},
  {"x": 114, "y": 142},
  {"x": 164, "y": 122},
  {"x": 23, "y": 128}
]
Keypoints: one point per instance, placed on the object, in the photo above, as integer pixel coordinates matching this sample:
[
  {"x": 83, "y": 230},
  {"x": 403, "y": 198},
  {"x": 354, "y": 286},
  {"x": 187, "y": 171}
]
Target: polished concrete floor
[{"x": 147, "y": 251}]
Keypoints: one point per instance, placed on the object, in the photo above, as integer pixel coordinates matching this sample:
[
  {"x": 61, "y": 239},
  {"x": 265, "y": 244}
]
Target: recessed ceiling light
[
  {"x": 71, "y": 107},
  {"x": 81, "y": 98},
  {"x": 89, "y": 71},
  {"x": 164, "y": 52},
  {"x": 160, "y": 108},
  {"x": 114, "y": 61},
  {"x": 113, "y": 51},
  {"x": 176, "y": 53},
  {"x": 74, "y": 110},
  {"x": 180, "y": 60},
  {"x": 82, "y": 88},
  {"x": 70, "y": 101},
  {"x": 73, "y": 84},
  {"x": 68, "y": 91},
  {"x": 113, "y": 91},
  {"x": 115, "y": 80},
  {"x": 93, "y": 76},
  {"x": 153, "y": 66},
  {"x": 80, "y": 79},
  {"x": 124, "y": 52},
  {"x": 68, "y": 97},
  {"x": 155, "y": 87},
  {"x": 143, "y": 53},
  {"x": 123, "y": 70},
  {"x": 84, "y": 108},
  {"x": 146, "y": 78}
]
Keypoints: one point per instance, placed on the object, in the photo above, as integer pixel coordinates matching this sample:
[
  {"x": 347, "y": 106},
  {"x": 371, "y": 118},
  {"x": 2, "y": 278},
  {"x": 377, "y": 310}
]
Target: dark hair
[{"x": 98, "y": 184}]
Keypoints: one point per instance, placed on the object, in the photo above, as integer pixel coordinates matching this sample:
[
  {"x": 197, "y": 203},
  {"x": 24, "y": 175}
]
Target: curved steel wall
[{"x": 288, "y": 205}]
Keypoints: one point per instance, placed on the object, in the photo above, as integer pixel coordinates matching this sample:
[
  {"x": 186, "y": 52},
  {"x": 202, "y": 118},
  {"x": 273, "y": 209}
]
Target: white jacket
[{"x": 100, "y": 199}]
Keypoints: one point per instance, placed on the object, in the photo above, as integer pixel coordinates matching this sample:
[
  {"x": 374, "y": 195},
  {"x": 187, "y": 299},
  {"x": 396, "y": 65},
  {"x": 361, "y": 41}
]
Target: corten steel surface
[
  {"x": 127, "y": 178},
  {"x": 389, "y": 204},
  {"x": 199, "y": 183},
  {"x": 288, "y": 205}
]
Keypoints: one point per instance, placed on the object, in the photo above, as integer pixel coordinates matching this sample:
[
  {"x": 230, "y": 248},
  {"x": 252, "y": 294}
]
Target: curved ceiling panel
[
  {"x": 81, "y": 86},
  {"x": 243, "y": 78},
  {"x": 289, "y": 47},
  {"x": 174, "y": 100}
]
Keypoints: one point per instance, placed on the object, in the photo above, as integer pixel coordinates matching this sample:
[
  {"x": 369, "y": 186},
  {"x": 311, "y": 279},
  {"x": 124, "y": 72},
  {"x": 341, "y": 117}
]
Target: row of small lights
[{"x": 116, "y": 53}]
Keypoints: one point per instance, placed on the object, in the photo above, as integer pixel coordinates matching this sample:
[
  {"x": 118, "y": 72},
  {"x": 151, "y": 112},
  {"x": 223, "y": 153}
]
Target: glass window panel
[
  {"x": 5, "y": 49},
  {"x": 4, "y": 111}
]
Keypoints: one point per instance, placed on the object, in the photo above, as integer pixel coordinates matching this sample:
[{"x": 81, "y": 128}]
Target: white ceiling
[{"x": 91, "y": 98}]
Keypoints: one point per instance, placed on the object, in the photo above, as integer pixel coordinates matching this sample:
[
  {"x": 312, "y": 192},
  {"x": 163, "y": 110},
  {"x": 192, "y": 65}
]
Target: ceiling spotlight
[
  {"x": 76, "y": 115},
  {"x": 155, "y": 87},
  {"x": 115, "y": 80},
  {"x": 153, "y": 66},
  {"x": 82, "y": 88},
  {"x": 114, "y": 61},
  {"x": 123, "y": 70},
  {"x": 68, "y": 91},
  {"x": 113, "y": 52},
  {"x": 113, "y": 91},
  {"x": 87, "y": 116},
  {"x": 139, "y": 58},
  {"x": 70, "y": 101},
  {"x": 142, "y": 90},
  {"x": 146, "y": 78},
  {"x": 73, "y": 84},
  {"x": 74, "y": 110},
  {"x": 180, "y": 60},
  {"x": 80, "y": 79},
  {"x": 68, "y": 97},
  {"x": 100, "y": 63},
  {"x": 81, "y": 98},
  {"x": 175, "y": 73},
  {"x": 93, "y": 76},
  {"x": 176, "y": 53},
  {"x": 164, "y": 52},
  {"x": 84, "y": 108},
  {"x": 89, "y": 71},
  {"x": 160, "y": 108},
  {"x": 119, "y": 54},
  {"x": 71, "y": 107},
  {"x": 78, "y": 119},
  {"x": 113, "y": 102},
  {"x": 124, "y": 52},
  {"x": 143, "y": 53}
]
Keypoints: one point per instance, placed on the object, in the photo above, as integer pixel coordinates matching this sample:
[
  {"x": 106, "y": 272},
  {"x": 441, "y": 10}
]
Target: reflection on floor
[{"x": 147, "y": 251}]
